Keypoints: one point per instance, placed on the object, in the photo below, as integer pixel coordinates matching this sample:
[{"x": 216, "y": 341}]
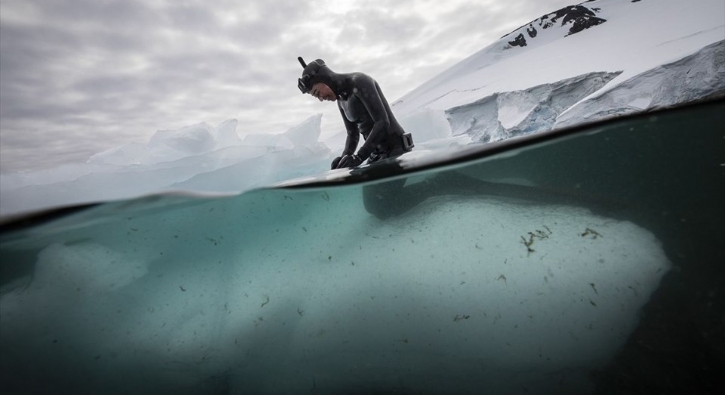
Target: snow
[{"x": 657, "y": 33}]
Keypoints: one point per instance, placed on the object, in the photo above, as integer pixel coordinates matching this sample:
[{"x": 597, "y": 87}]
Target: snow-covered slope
[{"x": 582, "y": 63}]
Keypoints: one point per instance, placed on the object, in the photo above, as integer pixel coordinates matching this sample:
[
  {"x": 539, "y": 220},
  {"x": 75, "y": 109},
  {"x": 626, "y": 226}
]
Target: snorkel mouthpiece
[{"x": 304, "y": 82}]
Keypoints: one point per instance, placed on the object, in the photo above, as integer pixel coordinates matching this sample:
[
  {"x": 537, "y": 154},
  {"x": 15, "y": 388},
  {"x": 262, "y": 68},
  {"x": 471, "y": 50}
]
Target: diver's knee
[{"x": 376, "y": 206}]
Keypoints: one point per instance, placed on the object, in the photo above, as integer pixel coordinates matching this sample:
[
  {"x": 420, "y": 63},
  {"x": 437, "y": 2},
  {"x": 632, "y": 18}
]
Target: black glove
[
  {"x": 335, "y": 162},
  {"x": 349, "y": 161}
]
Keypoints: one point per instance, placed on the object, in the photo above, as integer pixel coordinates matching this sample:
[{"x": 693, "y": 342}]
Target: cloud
[{"x": 81, "y": 76}]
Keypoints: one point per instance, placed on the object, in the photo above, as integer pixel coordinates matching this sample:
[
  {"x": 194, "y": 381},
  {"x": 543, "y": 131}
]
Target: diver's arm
[
  {"x": 368, "y": 94},
  {"x": 353, "y": 136}
]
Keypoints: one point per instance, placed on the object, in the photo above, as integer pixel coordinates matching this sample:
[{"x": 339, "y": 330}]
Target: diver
[{"x": 364, "y": 110}]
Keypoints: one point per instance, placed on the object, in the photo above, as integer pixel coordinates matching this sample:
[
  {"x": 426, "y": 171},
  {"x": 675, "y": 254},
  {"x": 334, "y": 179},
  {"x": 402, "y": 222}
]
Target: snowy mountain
[{"x": 578, "y": 64}]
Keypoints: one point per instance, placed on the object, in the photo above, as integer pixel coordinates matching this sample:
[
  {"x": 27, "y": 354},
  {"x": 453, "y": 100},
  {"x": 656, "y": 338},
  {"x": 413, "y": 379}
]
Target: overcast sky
[{"x": 81, "y": 76}]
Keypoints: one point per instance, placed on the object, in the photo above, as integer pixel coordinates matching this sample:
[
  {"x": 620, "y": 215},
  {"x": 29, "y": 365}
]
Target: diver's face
[{"x": 323, "y": 92}]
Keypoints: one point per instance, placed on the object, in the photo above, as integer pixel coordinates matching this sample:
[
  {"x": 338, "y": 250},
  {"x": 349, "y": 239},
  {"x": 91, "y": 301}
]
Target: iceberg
[{"x": 509, "y": 269}]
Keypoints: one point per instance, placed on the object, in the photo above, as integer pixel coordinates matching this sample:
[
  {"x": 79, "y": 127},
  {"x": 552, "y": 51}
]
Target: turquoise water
[{"x": 524, "y": 268}]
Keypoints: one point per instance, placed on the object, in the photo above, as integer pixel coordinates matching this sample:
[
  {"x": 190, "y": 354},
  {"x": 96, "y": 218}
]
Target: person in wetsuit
[{"x": 364, "y": 110}]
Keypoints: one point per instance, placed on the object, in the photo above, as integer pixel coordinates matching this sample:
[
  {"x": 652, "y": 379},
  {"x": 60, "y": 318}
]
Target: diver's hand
[
  {"x": 335, "y": 162},
  {"x": 349, "y": 161}
]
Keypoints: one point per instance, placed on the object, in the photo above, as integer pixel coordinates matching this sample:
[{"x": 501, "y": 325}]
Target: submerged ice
[{"x": 279, "y": 291}]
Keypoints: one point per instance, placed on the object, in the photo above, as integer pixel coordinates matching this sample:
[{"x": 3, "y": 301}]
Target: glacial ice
[
  {"x": 198, "y": 158},
  {"x": 695, "y": 77},
  {"x": 510, "y": 114}
]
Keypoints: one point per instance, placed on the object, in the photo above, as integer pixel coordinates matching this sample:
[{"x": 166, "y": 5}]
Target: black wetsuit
[{"x": 364, "y": 110}]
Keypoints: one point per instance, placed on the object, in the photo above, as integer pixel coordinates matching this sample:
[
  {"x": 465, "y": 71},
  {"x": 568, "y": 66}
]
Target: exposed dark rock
[
  {"x": 519, "y": 41},
  {"x": 585, "y": 23},
  {"x": 579, "y": 16}
]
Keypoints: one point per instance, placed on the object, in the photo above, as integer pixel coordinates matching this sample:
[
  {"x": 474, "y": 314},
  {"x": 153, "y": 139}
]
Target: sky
[{"x": 78, "y": 77}]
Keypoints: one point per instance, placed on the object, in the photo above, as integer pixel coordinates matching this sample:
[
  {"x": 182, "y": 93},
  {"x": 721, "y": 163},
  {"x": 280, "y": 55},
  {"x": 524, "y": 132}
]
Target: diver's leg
[
  {"x": 391, "y": 198},
  {"x": 385, "y": 199}
]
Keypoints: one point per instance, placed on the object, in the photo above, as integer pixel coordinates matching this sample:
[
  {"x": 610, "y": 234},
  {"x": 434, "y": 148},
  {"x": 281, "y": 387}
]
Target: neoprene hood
[{"x": 317, "y": 71}]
